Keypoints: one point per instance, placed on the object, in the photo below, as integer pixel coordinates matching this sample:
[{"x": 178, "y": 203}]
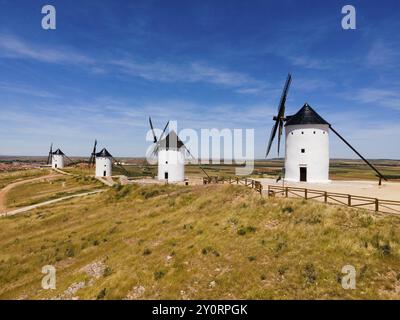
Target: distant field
[
  {"x": 39, "y": 191},
  {"x": 204, "y": 242},
  {"x": 340, "y": 169}
]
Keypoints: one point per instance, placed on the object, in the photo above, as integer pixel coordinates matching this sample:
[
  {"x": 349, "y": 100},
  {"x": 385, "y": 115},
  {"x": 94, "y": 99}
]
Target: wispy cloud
[
  {"x": 382, "y": 97},
  {"x": 313, "y": 84},
  {"x": 14, "y": 47},
  {"x": 26, "y": 90},
  {"x": 190, "y": 72},
  {"x": 382, "y": 54},
  {"x": 161, "y": 71}
]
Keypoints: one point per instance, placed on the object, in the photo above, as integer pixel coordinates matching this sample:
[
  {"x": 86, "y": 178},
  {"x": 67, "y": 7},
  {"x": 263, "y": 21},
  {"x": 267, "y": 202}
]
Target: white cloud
[
  {"x": 189, "y": 72},
  {"x": 382, "y": 55},
  {"x": 161, "y": 71},
  {"x": 26, "y": 90},
  {"x": 13, "y": 47},
  {"x": 381, "y": 97}
]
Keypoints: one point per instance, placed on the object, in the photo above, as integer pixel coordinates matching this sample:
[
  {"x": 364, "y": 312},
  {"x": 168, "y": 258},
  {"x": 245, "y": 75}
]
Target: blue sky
[{"x": 207, "y": 64}]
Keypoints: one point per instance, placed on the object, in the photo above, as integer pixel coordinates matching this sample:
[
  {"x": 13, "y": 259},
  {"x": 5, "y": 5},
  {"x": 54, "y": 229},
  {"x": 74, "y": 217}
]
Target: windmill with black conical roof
[
  {"x": 57, "y": 158},
  {"x": 103, "y": 161},
  {"x": 307, "y": 143}
]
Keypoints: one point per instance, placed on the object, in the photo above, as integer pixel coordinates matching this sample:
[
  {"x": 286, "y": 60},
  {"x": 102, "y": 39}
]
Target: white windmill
[
  {"x": 307, "y": 143},
  {"x": 170, "y": 151},
  {"x": 57, "y": 158},
  {"x": 103, "y": 161}
]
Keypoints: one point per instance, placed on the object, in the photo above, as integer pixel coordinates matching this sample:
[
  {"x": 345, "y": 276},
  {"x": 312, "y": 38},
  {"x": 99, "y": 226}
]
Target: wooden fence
[
  {"x": 251, "y": 183},
  {"x": 378, "y": 205}
]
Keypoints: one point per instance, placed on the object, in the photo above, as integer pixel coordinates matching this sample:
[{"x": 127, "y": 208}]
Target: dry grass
[
  {"x": 47, "y": 189},
  {"x": 204, "y": 242},
  {"x": 14, "y": 176}
]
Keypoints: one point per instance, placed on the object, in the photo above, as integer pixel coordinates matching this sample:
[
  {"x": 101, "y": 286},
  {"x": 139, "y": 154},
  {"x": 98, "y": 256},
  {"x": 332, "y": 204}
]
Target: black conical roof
[
  {"x": 306, "y": 115},
  {"x": 171, "y": 141},
  {"x": 58, "y": 152},
  {"x": 103, "y": 153}
]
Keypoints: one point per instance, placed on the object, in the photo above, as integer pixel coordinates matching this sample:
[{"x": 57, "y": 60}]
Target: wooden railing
[
  {"x": 378, "y": 205},
  {"x": 254, "y": 184}
]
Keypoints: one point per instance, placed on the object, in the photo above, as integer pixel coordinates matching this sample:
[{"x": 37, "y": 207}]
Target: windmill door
[
  {"x": 303, "y": 174},
  {"x": 166, "y": 175}
]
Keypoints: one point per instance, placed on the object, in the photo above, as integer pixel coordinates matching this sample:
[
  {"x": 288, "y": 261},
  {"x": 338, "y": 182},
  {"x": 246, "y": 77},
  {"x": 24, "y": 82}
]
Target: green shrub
[
  {"x": 159, "y": 274},
  {"x": 107, "y": 272},
  {"x": 102, "y": 294},
  {"x": 146, "y": 252},
  {"x": 288, "y": 209},
  {"x": 70, "y": 252},
  {"x": 244, "y": 230},
  {"x": 210, "y": 249},
  {"x": 310, "y": 274}
]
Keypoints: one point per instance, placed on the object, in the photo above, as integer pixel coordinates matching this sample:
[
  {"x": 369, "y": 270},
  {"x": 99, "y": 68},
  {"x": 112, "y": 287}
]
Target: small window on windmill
[
  {"x": 302, "y": 132},
  {"x": 314, "y": 132},
  {"x": 303, "y": 150},
  {"x": 166, "y": 162}
]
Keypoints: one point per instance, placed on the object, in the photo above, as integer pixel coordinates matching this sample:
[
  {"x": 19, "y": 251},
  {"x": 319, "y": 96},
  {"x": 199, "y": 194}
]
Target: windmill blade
[
  {"x": 160, "y": 139},
  {"x": 50, "y": 153},
  {"x": 282, "y": 106},
  {"x": 152, "y": 130},
  {"x": 280, "y": 134},
  {"x": 202, "y": 169},
  {"x": 93, "y": 155},
  {"x": 381, "y": 176},
  {"x": 120, "y": 165},
  {"x": 272, "y": 136},
  {"x": 280, "y": 116},
  {"x": 165, "y": 128},
  {"x": 71, "y": 162}
]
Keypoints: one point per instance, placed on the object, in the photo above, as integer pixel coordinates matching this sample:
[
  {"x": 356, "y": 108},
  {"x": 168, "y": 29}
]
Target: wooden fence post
[
  {"x": 305, "y": 194},
  {"x": 349, "y": 200},
  {"x": 286, "y": 192},
  {"x": 376, "y": 204},
  {"x": 237, "y": 180},
  {"x": 326, "y": 197}
]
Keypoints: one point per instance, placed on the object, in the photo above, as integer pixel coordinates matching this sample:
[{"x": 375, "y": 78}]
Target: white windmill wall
[
  {"x": 314, "y": 139},
  {"x": 57, "y": 161},
  {"x": 171, "y": 162},
  {"x": 103, "y": 167}
]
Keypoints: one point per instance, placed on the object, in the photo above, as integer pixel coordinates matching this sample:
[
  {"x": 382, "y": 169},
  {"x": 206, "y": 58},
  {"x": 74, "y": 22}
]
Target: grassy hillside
[
  {"x": 14, "y": 176},
  {"x": 204, "y": 242},
  {"x": 43, "y": 190}
]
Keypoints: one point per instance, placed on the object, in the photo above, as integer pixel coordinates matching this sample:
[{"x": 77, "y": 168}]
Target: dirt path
[
  {"x": 20, "y": 210},
  {"x": 388, "y": 190},
  {"x": 7, "y": 188},
  {"x": 62, "y": 172},
  {"x": 108, "y": 181}
]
